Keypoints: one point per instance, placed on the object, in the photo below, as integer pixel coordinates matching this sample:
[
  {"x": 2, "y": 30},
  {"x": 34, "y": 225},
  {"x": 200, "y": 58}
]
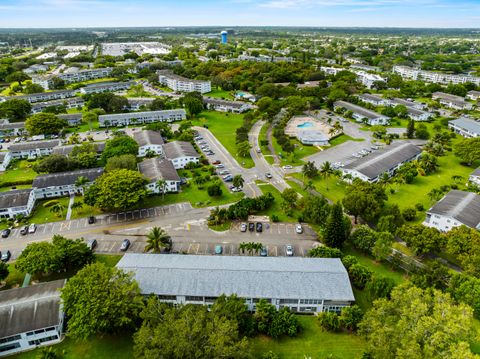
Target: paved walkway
[{"x": 69, "y": 209}]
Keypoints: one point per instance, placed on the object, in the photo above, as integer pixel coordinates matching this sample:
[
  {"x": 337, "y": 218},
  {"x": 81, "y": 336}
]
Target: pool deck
[{"x": 292, "y": 128}]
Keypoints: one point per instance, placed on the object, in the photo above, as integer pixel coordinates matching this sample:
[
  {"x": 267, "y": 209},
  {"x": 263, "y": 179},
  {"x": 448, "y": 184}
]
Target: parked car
[
  {"x": 259, "y": 227},
  {"x": 299, "y": 229},
  {"x": 259, "y": 150},
  {"x": 251, "y": 226},
  {"x": 218, "y": 249},
  {"x": 125, "y": 245},
  {"x": 216, "y": 162},
  {"x": 243, "y": 227},
  {"x": 228, "y": 178},
  {"x": 32, "y": 228},
  {"x": 268, "y": 175},
  {"x": 6, "y": 232},
  {"x": 224, "y": 172},
  {"x": 263, "y": 252},
  {"x": 24, "y": 230},
  {"x": 5, "y": 256},
  {"x": 289, "y": 250},
  {"x": 91, "y": 244},
  {"x": 220, "y": 166},
  {"x": 287, "y": 167},
  {"x": 91, "y": 220},
  {"x": 236, "y": 189}
]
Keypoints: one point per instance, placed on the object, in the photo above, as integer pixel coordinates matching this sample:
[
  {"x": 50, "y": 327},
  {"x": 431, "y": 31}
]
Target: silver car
[{"x": 289, "y": 250}]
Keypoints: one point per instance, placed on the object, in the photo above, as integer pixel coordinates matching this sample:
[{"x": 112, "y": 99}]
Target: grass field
[
  {"x": 42, "y": 214},
  {"x": 219, "y": 93},
  {"x": 19, "y": 171},
  {"x": 265, "y": 150},
  {"x": 332, "y": 188},
  {"x": 311, "y": 343},
  {"x": 223, "y": 127},
  {"x": 18, "y": 186},
  {"x": 276, "y": 208},
  {"x": 85, "y": 211},
  {"x": 342, "y": 139},
  {"x": 295, "y": 158}
]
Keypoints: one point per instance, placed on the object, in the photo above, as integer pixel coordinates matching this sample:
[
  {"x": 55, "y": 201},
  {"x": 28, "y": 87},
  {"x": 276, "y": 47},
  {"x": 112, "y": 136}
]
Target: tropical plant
[
  {"x": 161, "y": 186},
  {"x": 157, "y": 239}
]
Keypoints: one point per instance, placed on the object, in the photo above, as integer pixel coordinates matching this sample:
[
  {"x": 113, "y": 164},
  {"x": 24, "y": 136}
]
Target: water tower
[{"x": 224, "y": 36}]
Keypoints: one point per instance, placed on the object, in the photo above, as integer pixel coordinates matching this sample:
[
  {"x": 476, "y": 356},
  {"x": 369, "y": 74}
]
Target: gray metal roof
[
  {"x": 359, "y": 110},
  {"x": 460, "y": 205},
  {"x": 108, "y": 84},
  {"x": 66, "y": 178},
  {"x": 371, "y": 97},
  {"x": 177, "y": 149},
  {"x": 248, "y": 277},
  {"x": 467, "y": 124},
  {"x": 156, "y": 169},
  {"x": 217, "y": 101},
  {"x": 476, "y": 172},
  {"x": 148, "y": 137},
  {"x": 33, "y": 145},
  {"x": 11, "y": 126},
  {"x": 169, "y": 74},
  {"x": 30, "y": 308},
  {"x": 71, "y": 116},
  {"x": 14, "y": 198},
  {"x": 384, "y": 159}
]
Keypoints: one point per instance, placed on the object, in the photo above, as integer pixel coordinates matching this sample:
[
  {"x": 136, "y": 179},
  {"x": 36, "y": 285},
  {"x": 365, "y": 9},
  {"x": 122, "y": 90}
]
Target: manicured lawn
[
  {"x": 18, "y": 186},
  {"x": 276, "y": 207},
  {"x": 262, "y": 137},
  {"x": 476, "y": 344},
  {"x": 223, "y": 126},
  {"x": 219, "y": 93},
  {"x": 407, "y": 195},
  {"x": 85, "y": 211},
  {"x": 94, "y": 81},
  {"x": 343, "y": 138},
  {"x": 110, "y": 260},
  {"x": 42, "y": 214},
  {"x": 295, "y": 158},
  {"x": 105, "y": 347},
  {"x": 18, "y": 172},
  {"x": 311, "y": 343},
  {"x": 332, "y": 188}
]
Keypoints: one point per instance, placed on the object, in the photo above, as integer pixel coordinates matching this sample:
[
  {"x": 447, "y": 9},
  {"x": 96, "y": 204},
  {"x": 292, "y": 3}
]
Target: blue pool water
[{"x": 305, "y": 125}]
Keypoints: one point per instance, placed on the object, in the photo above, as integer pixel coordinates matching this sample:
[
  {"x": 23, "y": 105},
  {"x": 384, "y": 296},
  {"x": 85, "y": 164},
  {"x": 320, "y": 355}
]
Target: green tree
[
  {"x": 350, "y": 317},
  {"x": 15, "y": 109},
  {"x": 416, "y": 323},
  {"x": 411, "y": 129},
  {"x": 44, "y": 124},
  {"x": 238, "y": 181},
  {"x": 309, "y": 170},
  {"x": 107, "y": 101},
  {"x": 329, "y": 321},
  {"x": 215, "y": 190},
  {"x": 53, "y": 163},
  {"x": 157, "y": 239},
  {"x": 38, "y": 258},
  {"x": 337, "y": 228},
  {"x": 73, "y": 253},
  {"x": 120, "y": 145},
  {"x": 127, "y": 161},
  {"x": 326, "y": 171},
  {"x": 32, "y": 88},
  {"x": 325, "y": 252},
  {"x": 364, "y": 238},
  {"x": 466, "y": 289},
  {"x": 289, "y": 200},
  {"x": 379, "y": 287},
  {"x": 193, "y": 105},
  {"x": 99, "y": 299},
  {"x": 3, "y": 270},
  {"x": 243, "y": 149},
  {"x": 17, "y": 76},
  {"x": 468, "y": 150},
  {"x": 57, "y": 209},
  {"x": 383, "y": 246},
  {"x": 421, "y": 239},
  {"x": 117, "y": 189},
  {"x": 364, "y": 199}
]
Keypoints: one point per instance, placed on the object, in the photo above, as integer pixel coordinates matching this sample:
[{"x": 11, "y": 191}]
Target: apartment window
[
  {"x": 10, "y": 339},
  {"x": 194, "y": 298},
  {"x": 288, "y": 301},
  {"x": 167, "y": 297},
  {"x": 6, "y": 348}
]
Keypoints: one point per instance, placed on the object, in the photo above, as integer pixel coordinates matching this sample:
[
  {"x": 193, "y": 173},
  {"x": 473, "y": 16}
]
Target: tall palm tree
[
  {"x": 326, "y": 171},
  {"x": 161, "y": 186},
  {"x": 80, "y": 182},
  {"x": 57, "y": 209},
  {"x": 238, "y": 181},
  {"x": 157, "y": 239}
]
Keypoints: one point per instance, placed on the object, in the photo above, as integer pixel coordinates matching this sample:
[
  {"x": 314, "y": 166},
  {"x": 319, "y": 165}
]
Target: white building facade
[{"x": 125, "y": 119}]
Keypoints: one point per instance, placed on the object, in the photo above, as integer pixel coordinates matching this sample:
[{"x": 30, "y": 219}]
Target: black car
[
  {"x": 125, "y": 245},
  {"x": 91, "y": 220},
  {"x": 5, "y": 256},
  {"x": 259, "y": 227},
  {"x": 251, "y": 226},
  {"x": 6, "y": 232},
  {"x": 24, "y": 230},
  {"x": 91, "y": 244}
]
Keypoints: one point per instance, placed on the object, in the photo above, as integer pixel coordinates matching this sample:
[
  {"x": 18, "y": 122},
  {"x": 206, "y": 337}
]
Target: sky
[{"x": 328, "y": 13}]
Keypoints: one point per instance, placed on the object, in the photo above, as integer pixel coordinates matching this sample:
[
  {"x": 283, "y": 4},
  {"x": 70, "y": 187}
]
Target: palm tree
[
  {"x": 161, "y": 186},
  {"x": 238, "y": 181},
  {"x": 57, "y": 209},
  {"x": 326, "y": 171},
  {"x": 157, "y": 239},
  {"x": 80, "y": 182},
  {"x": 242, "y": 246},
  {"x": 308, "y": 186},
  {"x": 76, "y": 205},
  {"x": 457, "y": 178}
]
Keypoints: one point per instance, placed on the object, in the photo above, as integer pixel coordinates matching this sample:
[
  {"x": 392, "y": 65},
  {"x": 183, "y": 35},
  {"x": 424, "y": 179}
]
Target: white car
[
  {"x": 32, "y": 228},
  {"x": 299, "y": 229},
  {"x": 289, "y": 250},
  {"x": 287, "y": 167},
  {"x": 243, "y": 227}
]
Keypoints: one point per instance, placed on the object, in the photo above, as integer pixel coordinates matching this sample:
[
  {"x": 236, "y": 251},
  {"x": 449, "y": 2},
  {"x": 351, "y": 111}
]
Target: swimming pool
[{"x": 305, "y": 125}]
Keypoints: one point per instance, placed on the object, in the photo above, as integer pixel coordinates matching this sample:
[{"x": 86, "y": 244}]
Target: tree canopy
[{"x": 44, "y": 124}]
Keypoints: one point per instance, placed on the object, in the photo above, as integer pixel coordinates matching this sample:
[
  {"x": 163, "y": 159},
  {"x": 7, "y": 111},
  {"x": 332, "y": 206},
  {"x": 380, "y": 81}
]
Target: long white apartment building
[
  {"x": 181, "y": 84},
  {"x": 452, "y": 101},
  {"x": 125, "y": 119},
  {"x": 365, "y": 78},
  {"x": 435, "y": 77},
  {"x": 46, "y": 81},
  {"x": 361, "y": 114},
  {"x": 465, "y": 127}
]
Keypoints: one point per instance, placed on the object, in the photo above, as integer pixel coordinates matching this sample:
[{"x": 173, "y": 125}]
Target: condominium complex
[
  {"x": 182, "y": 84},
  {"x": 465, "y": 127},
  {"x": 46, "y": 81},
  {"x": 361, "y": 114},
  {"x": 434, "y": 77},
  {"x": 125, "y": 119},
  {"x": 452, "y": 101}
]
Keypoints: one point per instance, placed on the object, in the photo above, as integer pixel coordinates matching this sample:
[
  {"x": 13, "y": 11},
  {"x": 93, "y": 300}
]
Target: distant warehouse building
[
  {"x": 361, "y": 114},
  {"x": 306, "y": 285},
  {"x": 181, "y": 84},
  {"x": 125, "y": 119},
  {"x": 371, "y": 167},
  {"x": 465, "y": 127},
  {"x": 457, "y": 208},
  {"x": 30, "y": 317}
]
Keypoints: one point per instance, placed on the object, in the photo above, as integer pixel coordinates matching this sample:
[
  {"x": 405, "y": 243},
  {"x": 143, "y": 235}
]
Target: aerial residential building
[
  {"x": 138, "y": 103},
  {"x": 8, "y": 129},
  {"x": 73, "y": 119},
  {"x": 373, "y": 99},
  {"x": 305, "y": 285},
  {"x": 452, "y": 101},
  {"x": 149, "y": 142},
  {"x": 31, "y": 316},
  {"x": 16, "y": 202},
  {"x": 125, "y": 119},
  {"x": 412, "y": 104},
  {"x": 69, "y": 103},
  {"x": 180, "y": 153},
  {"x": 106, "y": 86},
  {"x": 475, "y": 177},
  {"x": 473, "y": 95},
  {"x": 418, "y": 115},
  {"x": 32, "y": 150},
  {"x": 361, "y": 114},
  {"x": 46, "y": 81},
  {"x": 457, "y": 208},
  {"x": 67, "y": 149},
  {"x": 182, "y": 84},
  {"x": 5, "y": 158},
  {"x": 160, "y": 169},
  {"x": 47, "y": 96},
  {"x": 368, "y": 79},
  {"x": 435, "y": 77},
  {"x": 226, "y": 106},
  {"x": 63, "y": 183},
  {"x": 387, "y": 160},
  {"x": 465, "y": 127}
]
